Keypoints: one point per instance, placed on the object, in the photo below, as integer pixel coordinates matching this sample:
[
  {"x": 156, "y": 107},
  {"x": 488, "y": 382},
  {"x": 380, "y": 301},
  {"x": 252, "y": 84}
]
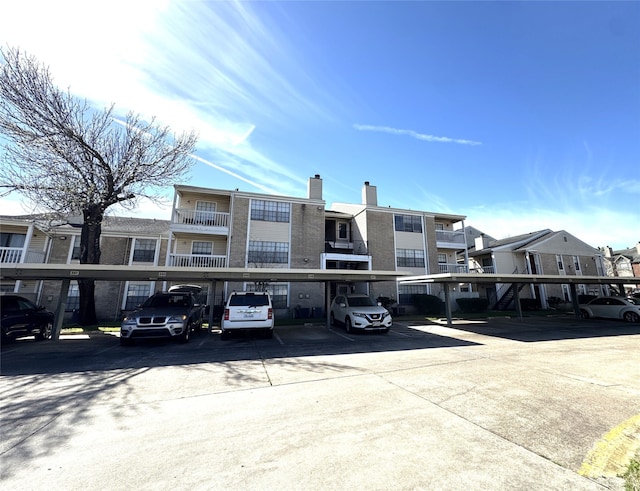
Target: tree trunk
[{"x": 89, "y": 254}]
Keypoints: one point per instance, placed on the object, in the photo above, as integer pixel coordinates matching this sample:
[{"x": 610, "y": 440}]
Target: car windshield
[
  {"x": 249, "y": 300},
  {"x": 634, "y": 301},
  {"x": 167, "y": 301},
  {"x": 361, "y": 302}
]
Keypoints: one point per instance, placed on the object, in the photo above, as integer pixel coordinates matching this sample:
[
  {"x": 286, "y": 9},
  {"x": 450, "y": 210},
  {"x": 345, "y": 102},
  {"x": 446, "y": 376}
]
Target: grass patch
[{"x": 632, "y": 475}]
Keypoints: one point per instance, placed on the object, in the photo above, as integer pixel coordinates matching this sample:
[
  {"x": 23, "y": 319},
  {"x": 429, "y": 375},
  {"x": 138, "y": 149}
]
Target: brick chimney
[
  {"x": 369, "y": 195},
  {"x": 314, "y": 190}
]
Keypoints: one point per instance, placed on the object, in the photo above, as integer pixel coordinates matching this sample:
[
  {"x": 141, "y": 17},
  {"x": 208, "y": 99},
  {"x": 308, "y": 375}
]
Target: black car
[{"x": 21, "y": 317}]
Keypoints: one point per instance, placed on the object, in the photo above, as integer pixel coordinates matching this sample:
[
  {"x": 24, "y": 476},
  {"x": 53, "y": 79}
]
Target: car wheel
[
  {"x": 48, "y": 329},
  {"x": 186, "y": 334},
  {"x": 584, "y": 314},
  {"x": 347, "y": 325},
  {"x": 631, "y": 317}
]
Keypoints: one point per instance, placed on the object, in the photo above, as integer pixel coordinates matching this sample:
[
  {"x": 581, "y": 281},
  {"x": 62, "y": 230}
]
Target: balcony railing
[
  {"x": 483, "y": 270},
  {"x": 197, "y": 261},
  {"x": 452, "y": 268},
  {"x": 450, "y": 237},
  {"x": 14, "y": 255},
  {"x": 204, "y": 218},
  {"x": 358, "y": 247}
]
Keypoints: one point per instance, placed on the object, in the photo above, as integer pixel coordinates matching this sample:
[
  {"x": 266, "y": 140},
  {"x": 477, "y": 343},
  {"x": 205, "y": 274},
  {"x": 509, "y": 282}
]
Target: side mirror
[{"x": 343, "y": 305}]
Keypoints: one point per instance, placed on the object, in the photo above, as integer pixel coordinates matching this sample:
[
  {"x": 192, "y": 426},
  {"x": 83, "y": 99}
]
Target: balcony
[
  {"x": 14, "y": 255},
  {"x": 452, "y": 268},
  {"x": 197, "y": 261},
  {"x": 447, "y": 239},
  {"x": 210, "y": 222}
]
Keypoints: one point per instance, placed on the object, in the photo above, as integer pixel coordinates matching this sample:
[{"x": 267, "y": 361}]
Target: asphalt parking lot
[{"x": 542, "y": 403}]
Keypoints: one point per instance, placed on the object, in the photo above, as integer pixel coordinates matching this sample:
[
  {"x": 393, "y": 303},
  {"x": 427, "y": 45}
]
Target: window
[
  {"x": 439, "y": 226},
  {"x": 408, "y": 223},
  {"x": 442, "y": 258},
  {"x": 560, "y": 263},
  {"x": 268, "y": 252},
  {"x": 576, "y": 263},
  {"x": 270, "y": 211},
  {"x": 406, "y": 293},
  {"x": 144, "y": 250},
  {"x": 279, "y": 293},
  {"x": 205, "y": 212},
  {"x": 136, "y": 295},
  {"x": 12, "y": 240},
  {"x": 75, "y": 253},
  {"x": 203, "y": 248},
  {"x": 410, "y": 258},
  {"x": 73, "y": 297},
  {"x": 342, "y": 230}
]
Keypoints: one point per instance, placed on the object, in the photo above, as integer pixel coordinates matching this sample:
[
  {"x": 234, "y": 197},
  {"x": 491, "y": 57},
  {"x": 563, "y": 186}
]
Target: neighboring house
[
  {"x": 541, "y": 252},
  {"x": 624, "y": 263},
  {"x": 212, "y": 228}
]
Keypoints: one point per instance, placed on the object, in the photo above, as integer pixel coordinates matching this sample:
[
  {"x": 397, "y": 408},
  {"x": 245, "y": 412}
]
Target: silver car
[
  {"x": 359, "y": 312},
  {"x": 611, "y": 308}
]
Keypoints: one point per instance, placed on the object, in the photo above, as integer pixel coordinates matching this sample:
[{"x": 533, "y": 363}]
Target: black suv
[
  {"x": 163, "y": 315},
  {"x": 21, "y": 317}
]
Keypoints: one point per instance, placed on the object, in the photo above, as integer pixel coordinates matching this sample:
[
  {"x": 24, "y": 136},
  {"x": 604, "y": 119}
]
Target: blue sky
[{"x": 520, "y": 115}]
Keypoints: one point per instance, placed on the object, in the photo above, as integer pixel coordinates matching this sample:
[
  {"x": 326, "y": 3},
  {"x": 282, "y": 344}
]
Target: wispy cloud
[
  {"x": 415, "y": 134},
  {"x": 222, "y": 69}
]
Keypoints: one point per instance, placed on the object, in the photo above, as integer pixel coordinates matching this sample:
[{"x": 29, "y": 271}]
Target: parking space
[{"x": 493, "y": 404}]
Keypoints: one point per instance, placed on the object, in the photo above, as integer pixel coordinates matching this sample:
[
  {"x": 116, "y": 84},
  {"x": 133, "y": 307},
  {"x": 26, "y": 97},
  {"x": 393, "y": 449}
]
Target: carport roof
[
  {"x": 107, "y": 272},
  {"x": 507, "y": 278}
]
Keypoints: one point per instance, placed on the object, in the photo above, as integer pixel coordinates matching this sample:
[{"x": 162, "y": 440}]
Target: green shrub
[
  {"x": 632, "y": 475},
  {"x": 468, "y": 305},
  {"x": 427, "y": 304}
]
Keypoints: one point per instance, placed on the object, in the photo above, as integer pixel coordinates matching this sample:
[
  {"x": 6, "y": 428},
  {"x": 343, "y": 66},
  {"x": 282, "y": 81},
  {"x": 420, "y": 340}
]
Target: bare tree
[{"x": 70, "y": 158}]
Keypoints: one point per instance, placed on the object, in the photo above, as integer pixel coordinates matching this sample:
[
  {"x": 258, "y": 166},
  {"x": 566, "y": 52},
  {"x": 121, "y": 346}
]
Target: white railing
[
  {"x": 197, "y": 261},
  {"x": 483, "y": 270},
  {"x": 14, "y": 255},
  {"x": 450, "y": 236},
  {"x": 204, "y": 218},
  {"x": 452, "y": 268}
]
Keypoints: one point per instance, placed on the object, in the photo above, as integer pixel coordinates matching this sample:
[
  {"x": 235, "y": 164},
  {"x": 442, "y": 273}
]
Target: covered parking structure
[
  {"x": 106, "y": 272},
  {"x": 447, "y": 279}
]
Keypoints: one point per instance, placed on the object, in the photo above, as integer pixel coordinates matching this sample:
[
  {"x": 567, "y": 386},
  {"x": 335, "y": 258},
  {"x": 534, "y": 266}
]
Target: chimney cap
[{"x": 366, "y": 183}]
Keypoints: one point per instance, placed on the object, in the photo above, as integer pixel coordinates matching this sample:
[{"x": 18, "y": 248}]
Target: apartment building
[
  {"x": 540, "y": 252},
  {"x": 624, "y": 263},
  {"x": 215, "y": 228}
]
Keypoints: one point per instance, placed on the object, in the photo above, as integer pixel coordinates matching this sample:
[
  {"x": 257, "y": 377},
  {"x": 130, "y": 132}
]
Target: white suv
[
  {"x": 360, "y": 312},
  {"x": 248, "y": 311}
]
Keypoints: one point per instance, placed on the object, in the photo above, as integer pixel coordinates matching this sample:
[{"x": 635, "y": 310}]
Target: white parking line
[
  {"x": 340, "y": 334},
  {"x": 275, "y": 335}
]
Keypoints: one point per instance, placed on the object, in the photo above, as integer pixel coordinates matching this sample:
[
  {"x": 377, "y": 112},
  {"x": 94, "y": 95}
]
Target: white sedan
[{"x": 611, "y": 308}]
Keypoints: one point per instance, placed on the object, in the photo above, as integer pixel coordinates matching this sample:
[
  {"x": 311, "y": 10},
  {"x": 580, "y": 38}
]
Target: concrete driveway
[{"x": 504, "y": 404}]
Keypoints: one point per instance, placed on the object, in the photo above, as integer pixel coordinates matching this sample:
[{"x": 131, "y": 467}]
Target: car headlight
[
  {"x": 359, "y": 314},
  {"x": 129, "y": 321},
  {"x": 177, "y": 318}
]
